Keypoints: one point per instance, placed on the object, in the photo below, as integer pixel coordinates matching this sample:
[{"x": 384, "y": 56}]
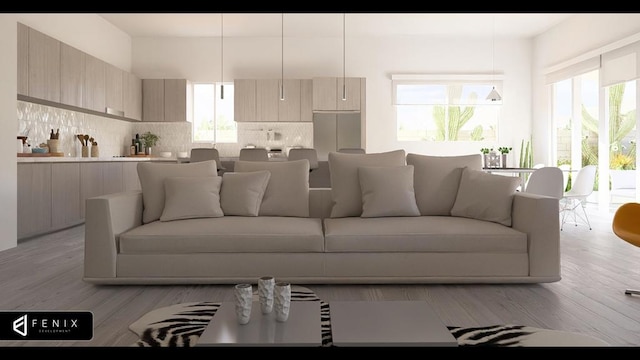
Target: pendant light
[
  {"x": 221, "y": 57},
  {"x": 493, "y": 95},
  {"x": 282, "y": 58},
  {"x": 344, "y": 82}
]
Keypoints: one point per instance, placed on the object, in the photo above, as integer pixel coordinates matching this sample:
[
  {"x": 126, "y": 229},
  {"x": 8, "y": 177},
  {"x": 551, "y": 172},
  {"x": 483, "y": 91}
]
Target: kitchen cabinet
[
  {"x": 114, "y": 99},
  {"x": 244, "y": 100},
  {"x": 267, "y": 100},
  {"x": 112, "y": 177},
  {"x": 71, "y": 75},
  {"x": 327, "y": 94},
  {"x": 259, "y": 100},
  {"x": 65, "y": 195},
  {"x": 132, "y": 96},
  {"x": 175, "y": 100},
  {"x": 165, "y": 100},
  {"x": 91, "y": 183},
  {"x": 153, "y": 100},
  {"x": 34, "y": 199},
  {"x": 23, "y": 59},
  {"x": 130, "y": 179},
  {"x": 306, "y": 100},
  {"x": 44, "y": 66},
  {"x": 94, "y": 91}
]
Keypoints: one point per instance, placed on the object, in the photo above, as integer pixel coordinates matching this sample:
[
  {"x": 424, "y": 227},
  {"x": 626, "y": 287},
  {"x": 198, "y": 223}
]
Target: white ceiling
[{"x": 516, "y": 25}]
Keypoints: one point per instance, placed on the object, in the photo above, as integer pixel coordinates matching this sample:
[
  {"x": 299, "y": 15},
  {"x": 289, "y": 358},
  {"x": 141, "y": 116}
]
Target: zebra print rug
[{"x": 181, "y": 325}]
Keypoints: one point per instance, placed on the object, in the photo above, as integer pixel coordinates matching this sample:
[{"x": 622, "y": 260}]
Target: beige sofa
[{"x": 323, "y": 246}]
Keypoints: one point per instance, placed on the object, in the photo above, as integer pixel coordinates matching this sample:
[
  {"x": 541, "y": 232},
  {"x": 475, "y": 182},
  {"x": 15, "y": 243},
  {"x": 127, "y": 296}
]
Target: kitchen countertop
[{"x": 63, "y": 159}]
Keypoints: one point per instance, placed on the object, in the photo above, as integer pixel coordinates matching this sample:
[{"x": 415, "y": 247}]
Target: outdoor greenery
[{"x": 456, "y": 117}]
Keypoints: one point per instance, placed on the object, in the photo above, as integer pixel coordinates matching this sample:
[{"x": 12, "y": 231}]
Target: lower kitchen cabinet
[{"x": 52, "y": 196}]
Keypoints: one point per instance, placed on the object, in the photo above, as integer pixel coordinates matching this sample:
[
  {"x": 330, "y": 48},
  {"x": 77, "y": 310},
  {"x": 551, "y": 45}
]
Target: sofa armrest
[
  {"x": 538, "y": 217},
  {"x": 106, "y": 218}
]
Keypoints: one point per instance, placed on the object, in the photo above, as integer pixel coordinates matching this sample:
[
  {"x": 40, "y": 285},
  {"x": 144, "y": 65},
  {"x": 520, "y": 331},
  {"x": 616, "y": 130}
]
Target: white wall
[
  {"x": 373, "y": 58},
  {"x": 9, "y": 126},
  {"x": 568, "y": 40},
  {"x": 87, "y": 32}
]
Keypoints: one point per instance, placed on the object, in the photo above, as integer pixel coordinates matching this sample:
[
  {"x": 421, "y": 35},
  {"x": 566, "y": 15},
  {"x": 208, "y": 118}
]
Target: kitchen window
[
  {"x": 212, "y": 116},
  {"x": 446, "y": 108}
]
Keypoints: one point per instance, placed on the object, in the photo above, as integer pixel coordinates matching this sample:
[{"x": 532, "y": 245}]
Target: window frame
[{"x": 192, "y": 117}]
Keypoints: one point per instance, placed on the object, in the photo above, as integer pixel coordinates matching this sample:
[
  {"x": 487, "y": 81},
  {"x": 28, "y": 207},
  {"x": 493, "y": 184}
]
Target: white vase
[
  {"x": 282, "y": 300},
  {"x": 266, "y": 285},
  {"x": 244, "y": 299}
]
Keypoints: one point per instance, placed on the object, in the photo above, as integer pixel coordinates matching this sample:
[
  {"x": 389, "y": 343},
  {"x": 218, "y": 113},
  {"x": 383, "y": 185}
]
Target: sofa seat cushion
[
  {"x": 225, "y": 234},
  {"x": 421, "y": 234}
]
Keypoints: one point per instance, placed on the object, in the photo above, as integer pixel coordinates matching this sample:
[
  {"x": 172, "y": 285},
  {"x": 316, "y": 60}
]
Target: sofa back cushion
[
  {"x": 287, "y": 193},
  {"x": 437, "y": 179},
  {"x": 387, "y": 191},
  {"x": 152, "y": 177},
  {"x": 345, "y": 183},
  {"x": 242, "y": 192},
  {"x": 485, "y": 196},
  {"x": 191, "y": 198}
]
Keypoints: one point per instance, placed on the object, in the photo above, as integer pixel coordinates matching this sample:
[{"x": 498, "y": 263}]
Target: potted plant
[
  {"x": 485, "y": 156},
  {"x": 504, "y": 151},
  {"x": 150, "y": 141}
]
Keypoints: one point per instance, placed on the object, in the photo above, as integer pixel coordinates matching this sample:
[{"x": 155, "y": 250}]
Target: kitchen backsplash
[{"x": 114, "y": 136}]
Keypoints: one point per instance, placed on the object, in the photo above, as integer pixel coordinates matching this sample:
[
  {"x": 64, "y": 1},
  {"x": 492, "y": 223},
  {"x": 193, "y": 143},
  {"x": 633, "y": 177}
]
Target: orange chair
[{"x": 626, "y": 225}]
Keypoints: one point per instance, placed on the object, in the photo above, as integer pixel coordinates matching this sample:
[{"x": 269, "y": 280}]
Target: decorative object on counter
[
  {"x": 165, "y": 154},
  {"x": 54, "y": 143},
  {"x": 132, "y": 148},
  {"x": 282, "y": 300},
  {"x": 244, "y": 299},
  {"x": 95, "y": 150},
  {"x": 150, "y": 141},
  {"x": 266, "y": 285},
  {"x": 85, "y": 151},
  {"x": 138, "y": 143},
  {"x": 39, "y": 150},
  {"x": 485, "y": 156},
  {"x": 504, "y": 151}
]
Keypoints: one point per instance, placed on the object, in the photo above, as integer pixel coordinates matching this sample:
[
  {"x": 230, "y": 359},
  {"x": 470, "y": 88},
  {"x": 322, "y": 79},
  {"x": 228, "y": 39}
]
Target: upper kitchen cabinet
[
  {"x": 132, "y": 96},
  {"x": 94, "y": 92},
  {"x": 114, "y": 99},
  {"x": 44, "y": 66},
  {"x": 244, "y": 100},
  {"x": 71, "y": 75},
  {"x": 327, "y": 94},
  {"x": 165, "y": 100},
  {"x": 23, "y": 59},
  {"x": 259, "y": 100}
]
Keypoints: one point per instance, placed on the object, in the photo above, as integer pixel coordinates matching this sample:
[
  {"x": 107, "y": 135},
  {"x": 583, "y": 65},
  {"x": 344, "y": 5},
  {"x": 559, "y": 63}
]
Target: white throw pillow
[
  {"x": 485, "y": 196},
  {"x": 191, "y": 197},
  {"x": 242, "y": 193},
  {"x": 345, "y": 183},
  {"x": 437, "y": 179},
  {"x": 287, "y": 193},
  {"x": 387, "y": 191},
  {"x": 152, "y": 176}
]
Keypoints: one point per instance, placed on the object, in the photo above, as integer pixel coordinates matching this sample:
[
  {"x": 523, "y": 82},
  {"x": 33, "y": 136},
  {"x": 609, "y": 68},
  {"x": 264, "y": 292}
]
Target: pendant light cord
[
  {"x": 344, "y": 57},
  {"x": 221, "y": 56},
  {"x": 282, "y": 57}
]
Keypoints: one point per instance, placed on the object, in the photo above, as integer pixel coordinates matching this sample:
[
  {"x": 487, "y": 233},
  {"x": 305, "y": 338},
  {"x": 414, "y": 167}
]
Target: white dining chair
[
  {"x": 576, "y": 197},
  {"x": 254, "y": 154},
  {"x": 205, "y": 154},
  {"x": 546, "y": 181},
  {"x": 566, "y": 170},
  {"x": 304, "y": 153}
]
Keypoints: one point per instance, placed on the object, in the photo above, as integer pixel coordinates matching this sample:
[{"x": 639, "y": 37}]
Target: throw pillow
[
  {"x": 242, "y": 193},
  {"x": 345, "y": 183},
  {"x": 191, "y": 197},
  {"x": 485, "y": 196},
  {"x": 387, "y": 191},
  {"x": 287, "y": 193},
  {"x": 437, "y": 179},
  {"x": 152, "y": 176}
]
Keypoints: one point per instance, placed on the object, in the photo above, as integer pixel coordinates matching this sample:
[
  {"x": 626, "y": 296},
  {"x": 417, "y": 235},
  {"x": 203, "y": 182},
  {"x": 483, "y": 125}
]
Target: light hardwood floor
[{"x": 45, "y": 273}]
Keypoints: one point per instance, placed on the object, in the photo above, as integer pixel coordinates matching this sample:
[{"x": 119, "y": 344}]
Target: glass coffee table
[
  {"x": 302, "y": 328},
  {"x": 387, "y": 323}
]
